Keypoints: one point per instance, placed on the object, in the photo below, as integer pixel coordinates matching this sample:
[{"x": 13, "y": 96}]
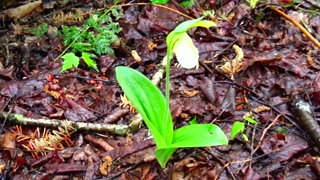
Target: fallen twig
[
  {"x": 18, "y": 119},
  {"x": 265, "y": 131},
  {"x": 314, "y": 40},
  {"x": 103, "y": 144}
]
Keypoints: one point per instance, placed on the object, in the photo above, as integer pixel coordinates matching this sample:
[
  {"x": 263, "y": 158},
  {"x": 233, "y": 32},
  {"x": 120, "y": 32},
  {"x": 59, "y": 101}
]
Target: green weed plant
[
  {"x": 238, "y": 127},
  {"x": 94, "y": 37},
  {"x": 40, "y": 31}
]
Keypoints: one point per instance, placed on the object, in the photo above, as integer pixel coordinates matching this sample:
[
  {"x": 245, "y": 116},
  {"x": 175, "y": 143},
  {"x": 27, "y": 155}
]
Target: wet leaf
[
  {"x": 235, "y": 65},
  {"x": 237, "y": 127},
  {"x": 87, "y": 59},
  {"x": 75, "y": 112},
  {"x": 280, "y": 150},
  {"x": 8, "y": 141},
  {"x": 70, "y": 60},
  {"x": 105, "y": 165}
]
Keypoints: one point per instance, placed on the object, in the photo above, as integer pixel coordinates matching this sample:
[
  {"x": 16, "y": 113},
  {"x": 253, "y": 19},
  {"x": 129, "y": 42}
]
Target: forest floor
[{"x": 76, "y": 124}]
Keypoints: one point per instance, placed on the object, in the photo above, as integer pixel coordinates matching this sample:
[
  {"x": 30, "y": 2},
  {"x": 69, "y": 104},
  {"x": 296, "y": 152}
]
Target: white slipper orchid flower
[{"x": 186, "y": 52}]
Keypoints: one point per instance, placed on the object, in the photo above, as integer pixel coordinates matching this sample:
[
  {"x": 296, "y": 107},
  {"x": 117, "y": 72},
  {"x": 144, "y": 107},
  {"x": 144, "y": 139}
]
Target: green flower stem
[{"x": 168, "y": 81}]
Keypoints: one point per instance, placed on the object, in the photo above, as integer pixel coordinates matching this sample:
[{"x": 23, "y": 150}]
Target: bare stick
[
  {"x": 18, "y": 119},
  {"x": 314, "y": 40},
  {"x": 265, "y": 131}
]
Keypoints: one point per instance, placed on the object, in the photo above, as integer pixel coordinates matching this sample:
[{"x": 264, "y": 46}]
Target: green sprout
[
  {"x": 239, "y": 127},
  {"x": 154, "y": 107},
  {"x": 40, "y": 30},
  {"x": 95, "y": 37}
]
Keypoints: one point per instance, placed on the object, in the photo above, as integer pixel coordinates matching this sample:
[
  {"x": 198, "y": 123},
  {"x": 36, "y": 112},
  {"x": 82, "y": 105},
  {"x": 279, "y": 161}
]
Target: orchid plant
[{"x": 154, "y": 107}]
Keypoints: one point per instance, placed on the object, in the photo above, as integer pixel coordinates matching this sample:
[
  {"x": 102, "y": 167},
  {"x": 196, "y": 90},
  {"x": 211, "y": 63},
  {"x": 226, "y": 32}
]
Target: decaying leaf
[
  {"x": 257, "y": 110},
  {"x": 311, "y": 60},
  {"x": 105, "y": 165},
  {"x": 125, "y": 102},
  {"x": 2, "y": 166},
  {"x": 8, "y": 142},
  {"x": 235, "y": 65},
  {"x": 135, "y": 55},
  {"x": 151, "y": 46},
  {"x": 69, "y": 17},
  {"x": 191, "y": 93}
]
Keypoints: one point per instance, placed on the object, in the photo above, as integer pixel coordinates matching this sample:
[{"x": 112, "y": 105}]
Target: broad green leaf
[
  {"x": 193, "y": 121},
  {"x": 149, "y": 102},
  {"x": 163, "y": 155},
  {"x": 187, "y": 54},
  {"x": 195, "y": 135},
  {"x": 91, "y": 63},
  {"x": 250, "y": 120},
  {"x": 237, "y": 127},
  {"x": 188, "y": 3},
  {"x": 70, "y": 60},
  {"x": 159, "y": 1},
  {"x": 198, "y": 135}
]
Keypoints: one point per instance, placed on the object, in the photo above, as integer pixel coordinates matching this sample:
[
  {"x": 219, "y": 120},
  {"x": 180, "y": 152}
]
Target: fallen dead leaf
[
  {"x": 8, "y": 141},
  {"x": 257, "y": 110},
  {"x": 190, "y": 93},
  {"x": 105, "y": 165},
  {"x": 2, "y": 165},
  {"x": 125, "y": 102},
  {"x": 235, "y": 65},
  {"x": 135, "y": 56},
  {"x": 151, "y": 46}
]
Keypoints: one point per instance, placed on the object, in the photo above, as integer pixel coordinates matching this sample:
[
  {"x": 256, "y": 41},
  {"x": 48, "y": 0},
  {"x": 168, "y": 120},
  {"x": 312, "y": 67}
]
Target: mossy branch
[{"x": 18, "y": 119}]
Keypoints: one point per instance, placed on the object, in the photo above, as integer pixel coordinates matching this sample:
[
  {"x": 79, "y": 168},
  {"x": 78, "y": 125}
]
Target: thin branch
[
  {"x": 18, "y": 119},
  {"x": 314, "y": 40},
  {"x": 265, "y": 131}
]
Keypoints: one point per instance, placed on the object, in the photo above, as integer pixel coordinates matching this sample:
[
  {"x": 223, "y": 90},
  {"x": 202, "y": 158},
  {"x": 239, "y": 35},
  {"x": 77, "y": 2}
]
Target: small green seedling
[
  {"x": 95, "y": 36},
  {"x": 40, "y": 30},
  {"x": 154, "y": 107},
  {"x": 239, "y": 127},
  {"x": 71, "y": 60},
  {"x": 253, "y": 3}
]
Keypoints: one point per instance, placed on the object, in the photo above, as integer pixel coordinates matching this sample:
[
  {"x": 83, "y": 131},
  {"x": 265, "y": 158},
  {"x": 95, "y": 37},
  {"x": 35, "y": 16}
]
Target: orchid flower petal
[{"x": 186, "y": 52}]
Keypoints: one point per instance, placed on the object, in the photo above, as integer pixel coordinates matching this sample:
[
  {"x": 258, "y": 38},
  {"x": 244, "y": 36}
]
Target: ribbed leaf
[
  {"x": 149, "y": 102},
  {"x": 163, "y": 155},
  {"x": 198, "y": 135},
  {"x": 195, "y": 135}
]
